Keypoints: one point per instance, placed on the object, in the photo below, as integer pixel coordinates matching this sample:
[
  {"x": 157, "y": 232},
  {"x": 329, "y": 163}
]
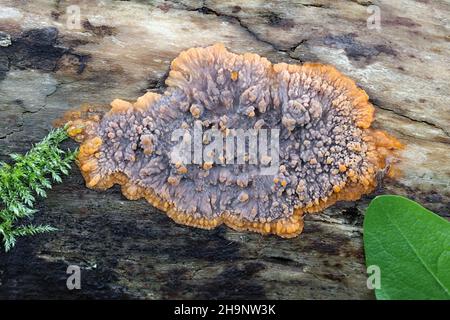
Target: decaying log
[{"x": 127, "y": 249}]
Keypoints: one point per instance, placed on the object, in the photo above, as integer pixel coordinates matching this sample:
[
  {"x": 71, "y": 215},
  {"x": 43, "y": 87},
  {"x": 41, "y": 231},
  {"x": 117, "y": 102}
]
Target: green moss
[{"x": 29, "y": 176}]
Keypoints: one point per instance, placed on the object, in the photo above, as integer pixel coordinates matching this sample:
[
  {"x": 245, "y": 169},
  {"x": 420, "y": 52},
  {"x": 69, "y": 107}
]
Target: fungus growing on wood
[{"x": 324, "y": 150}]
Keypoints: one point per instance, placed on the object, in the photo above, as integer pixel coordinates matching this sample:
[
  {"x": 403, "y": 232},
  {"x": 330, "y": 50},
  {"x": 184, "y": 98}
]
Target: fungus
[{"x": 326, "y": 149}]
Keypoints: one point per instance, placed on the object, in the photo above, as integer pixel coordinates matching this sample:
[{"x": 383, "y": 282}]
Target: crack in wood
[
  {"x": 413, "y": 119},
  {"x": 206, "y": 10}
]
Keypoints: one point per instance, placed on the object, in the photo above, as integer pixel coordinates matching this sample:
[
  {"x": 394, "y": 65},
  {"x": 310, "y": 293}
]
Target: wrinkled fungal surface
[{"x": 327, "y": 150}]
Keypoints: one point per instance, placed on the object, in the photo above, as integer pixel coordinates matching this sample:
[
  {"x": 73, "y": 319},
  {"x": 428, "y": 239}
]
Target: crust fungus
[{"x": 326, "y": 150}]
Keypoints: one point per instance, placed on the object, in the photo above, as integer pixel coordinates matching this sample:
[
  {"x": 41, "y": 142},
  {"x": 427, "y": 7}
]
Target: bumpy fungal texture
[{"x": 328, "y": 152}]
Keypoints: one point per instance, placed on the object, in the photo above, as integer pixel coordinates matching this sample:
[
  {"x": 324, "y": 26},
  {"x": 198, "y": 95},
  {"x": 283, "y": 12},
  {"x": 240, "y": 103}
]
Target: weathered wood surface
[{"x": 130, "y": 250}]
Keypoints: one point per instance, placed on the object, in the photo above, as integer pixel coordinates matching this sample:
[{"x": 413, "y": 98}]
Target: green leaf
[
  {"x": 56, "y": 177},
  {"x": 46, "y": 183},
  {"x": 40, "y": 192},
  {"x": 64, "y": 170},
  {"x": 9, "y": 242},
  {"x": 15, "y": 156},
  {"x": 31, "y": 230},
  {"x": 411, "y": 246}
]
